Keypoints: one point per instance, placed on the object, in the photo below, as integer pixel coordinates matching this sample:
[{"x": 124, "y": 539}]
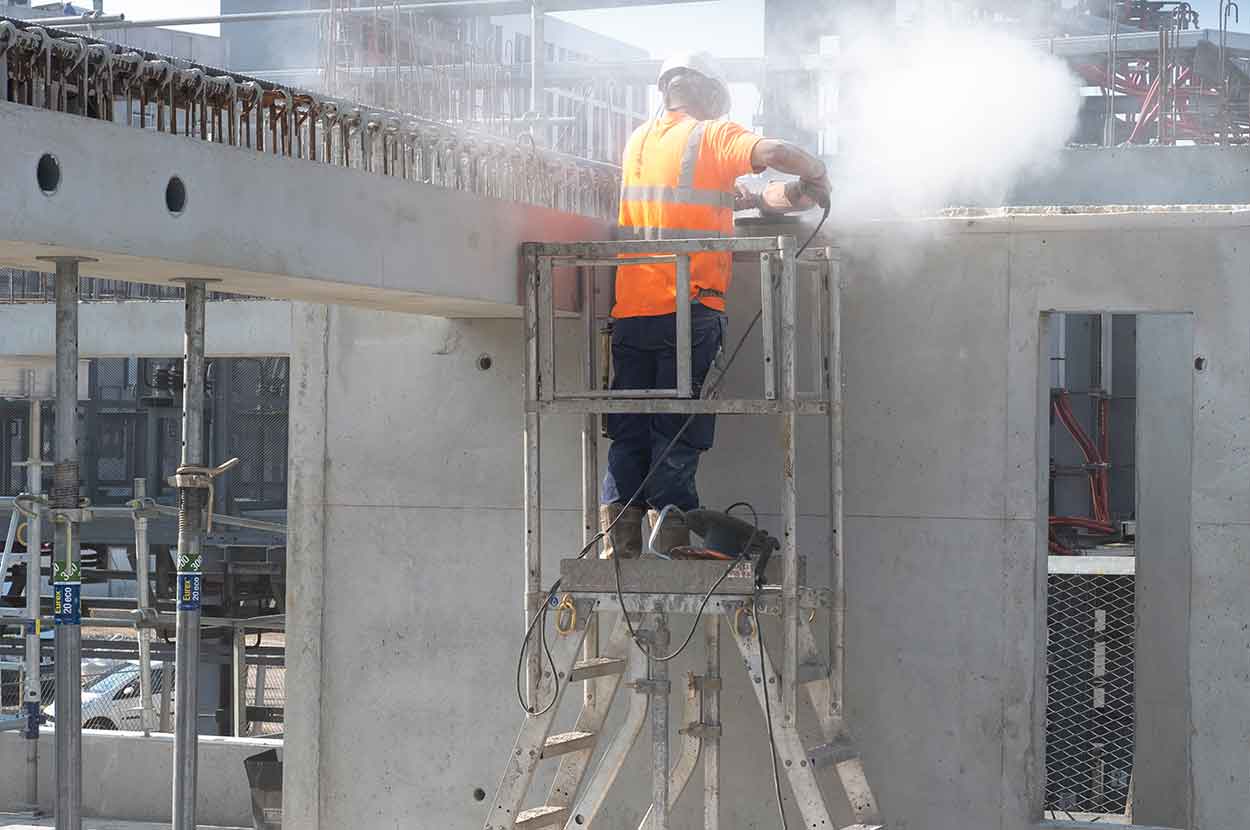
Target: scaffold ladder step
[
  {"x": 567, "y": 742},
  {"x": 545, "y": 816},
  {"x": 812, "y": 670},
  {"x": 597, "y": 667}
]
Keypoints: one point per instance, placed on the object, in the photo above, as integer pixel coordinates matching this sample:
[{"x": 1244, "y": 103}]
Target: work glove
[
  {"x": 817, "y": 191},
  {"x": 744, "y": 199}
]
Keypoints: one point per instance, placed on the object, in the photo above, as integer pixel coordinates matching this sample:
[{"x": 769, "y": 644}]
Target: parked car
[{"x": 112, "y": 700}]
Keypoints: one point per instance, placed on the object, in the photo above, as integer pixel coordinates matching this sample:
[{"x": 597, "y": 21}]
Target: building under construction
[{"x": 303, "y": 380}]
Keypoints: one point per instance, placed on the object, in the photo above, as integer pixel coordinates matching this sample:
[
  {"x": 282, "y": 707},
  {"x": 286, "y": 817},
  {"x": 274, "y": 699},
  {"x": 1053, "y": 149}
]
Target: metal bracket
[
  {"x": 702, "y": 731},
  {"x": 706, "y": 684},
  {"x": 199, "y": 478},
  {"x": 652, "y": 687},
  {"x": 75, "y": 514},
  {"x": 145, "y": 617},
  {"x": 195, "y": 477}
]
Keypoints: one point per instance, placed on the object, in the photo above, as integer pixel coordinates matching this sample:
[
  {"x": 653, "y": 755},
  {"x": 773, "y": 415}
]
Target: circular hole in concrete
[
  {"x": 175, "y": 196},
  {"x": 48, "y": 173},
  {"x": 479, "y": 794},
  {"x": 484, "y": 362},
  {"x": 1200, "y": 363}
]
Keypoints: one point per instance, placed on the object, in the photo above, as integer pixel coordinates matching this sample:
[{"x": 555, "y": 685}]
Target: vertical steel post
[
  {"x": 711, "y": 719},
  {"x": 538, "y": 64},
  {"x": 590, "y": 463},
  {"x": 191, "y": 505},
  {"x": 34, "y": 543},
  {"x": 546, "y": 312},
  {"x": 533, "y": 596},
  {"x": 1105, "y": 323},
  {"x": 66, "y": 564},
  {"x": 167, "y": 679},
  {"x": 657, "y": 675},
  {"x": 684, "y": 373},
  {"x": 238, "y": 683},
  {"x": 789, "y": 496},
  {"x": 832, "y": 338},
  {"x": 147, "y": 709},
  {"x": 767, "y": 324}
]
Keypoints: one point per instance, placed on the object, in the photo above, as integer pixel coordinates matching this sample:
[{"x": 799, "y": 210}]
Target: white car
[{"x": 111, "y": 700}]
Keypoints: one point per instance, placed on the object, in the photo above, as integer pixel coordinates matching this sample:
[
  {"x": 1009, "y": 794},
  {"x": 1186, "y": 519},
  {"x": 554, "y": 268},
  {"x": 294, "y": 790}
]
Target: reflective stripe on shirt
[{"x": 655, "y": 234}]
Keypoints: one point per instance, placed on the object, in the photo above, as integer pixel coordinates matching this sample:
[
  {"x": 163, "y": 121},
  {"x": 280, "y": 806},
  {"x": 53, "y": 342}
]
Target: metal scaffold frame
[
  {"x": 655, "y": 588},
  {"x": 66, "y": 509}
]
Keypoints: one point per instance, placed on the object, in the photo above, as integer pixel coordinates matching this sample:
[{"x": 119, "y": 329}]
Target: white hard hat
[{"x": 703, "y": 64}]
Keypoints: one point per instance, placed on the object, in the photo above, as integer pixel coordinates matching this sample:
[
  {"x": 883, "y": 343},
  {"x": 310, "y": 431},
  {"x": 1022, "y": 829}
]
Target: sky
[{"x": 724, "y": 27}]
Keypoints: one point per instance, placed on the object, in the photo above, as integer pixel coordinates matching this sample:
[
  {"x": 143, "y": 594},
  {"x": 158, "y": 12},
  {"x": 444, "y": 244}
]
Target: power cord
[
  {"x": 768, "y": 708},
  {"x": 616, "y": 567}
]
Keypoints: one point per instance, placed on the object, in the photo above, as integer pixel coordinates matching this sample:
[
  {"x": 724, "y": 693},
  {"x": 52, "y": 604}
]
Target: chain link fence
[
  {"x": 129, "y": 428},
  {"x": 21, "y": 286},
  {"x": 111, "y": 692},
  {"x": 1090, "y": 723}
]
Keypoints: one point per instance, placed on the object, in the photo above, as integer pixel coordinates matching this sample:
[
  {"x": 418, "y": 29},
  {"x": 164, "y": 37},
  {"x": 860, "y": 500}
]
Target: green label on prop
[
  {"x": 188, "y": 563},
  {"x": 66, "y": 572}
]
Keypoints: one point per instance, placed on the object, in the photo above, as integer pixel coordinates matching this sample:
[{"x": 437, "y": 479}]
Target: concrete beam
[
  {"x": 235, "y": 328},
  {"x": 262, "y": 225}
]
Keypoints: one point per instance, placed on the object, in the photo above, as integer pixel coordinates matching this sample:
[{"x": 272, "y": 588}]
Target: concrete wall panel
[
  {"x": 921, "y": 442},
  {"x": 1164, "y": 482},
  {"x": 128, "y": 776},
  {"x": 946, "y": 401}
]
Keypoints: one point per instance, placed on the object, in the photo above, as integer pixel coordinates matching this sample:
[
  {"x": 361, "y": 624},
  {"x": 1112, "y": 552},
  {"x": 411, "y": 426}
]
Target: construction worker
[{"x": 678, "y": 182}]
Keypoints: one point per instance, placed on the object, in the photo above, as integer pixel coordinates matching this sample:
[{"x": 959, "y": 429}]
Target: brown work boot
[
  {"x": 625, "y": 537},
  {"x": 674, "y": 533}
]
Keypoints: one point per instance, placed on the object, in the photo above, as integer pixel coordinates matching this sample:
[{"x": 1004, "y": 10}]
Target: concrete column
[
  {"x": 306, "y": 528},
  {"x": 1162, "y": 764}
]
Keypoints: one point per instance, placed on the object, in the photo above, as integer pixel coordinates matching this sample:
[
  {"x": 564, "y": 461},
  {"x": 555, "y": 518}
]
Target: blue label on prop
[
  {"x": 189, "y": 588},
  {"x": 67, "y": 603}
]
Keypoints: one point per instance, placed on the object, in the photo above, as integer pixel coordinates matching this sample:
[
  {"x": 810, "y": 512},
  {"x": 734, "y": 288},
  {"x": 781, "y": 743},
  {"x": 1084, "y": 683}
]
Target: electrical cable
[
  {"x": 741, "y": 557},
  {"x": 709, "y": 393},
  {"x": 633, "y": 632},
  {"x": 768, "y": 709}
]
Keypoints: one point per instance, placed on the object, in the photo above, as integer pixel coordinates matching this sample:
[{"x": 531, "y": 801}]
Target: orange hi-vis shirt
[{"x": 677, "y": 182}]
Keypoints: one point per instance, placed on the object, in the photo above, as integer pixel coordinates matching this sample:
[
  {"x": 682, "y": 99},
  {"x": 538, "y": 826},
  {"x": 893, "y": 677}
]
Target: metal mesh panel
[
  {"x": 266, "y": 687},
  {"x": 250, "y": 399},
  {"x": 1089, "y": 708},
  {"x": 111, "y": 683},
  {"x": 21, "y": 286}
]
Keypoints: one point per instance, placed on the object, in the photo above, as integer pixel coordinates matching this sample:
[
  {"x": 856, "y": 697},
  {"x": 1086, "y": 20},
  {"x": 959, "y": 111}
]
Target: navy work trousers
[{"x": 644, "y": 356}]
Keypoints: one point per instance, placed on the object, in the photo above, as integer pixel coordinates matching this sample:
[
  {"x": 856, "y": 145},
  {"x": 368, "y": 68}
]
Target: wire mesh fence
[
  {"x": 129, "y": 428},
  {"x": 112, "y": 693},
  {"x": 1090, "y": 723},
  {"x": 21, "y": 286}
]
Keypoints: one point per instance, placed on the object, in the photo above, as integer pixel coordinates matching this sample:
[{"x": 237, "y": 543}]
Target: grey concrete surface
[
  {"x": 234, "y": 328},
  {"x": 363, "y": 239},
  {"x": 1139, "y": 175},
  {"x": 128, "y": 777},
  {"x": 410, "y": 573},
  {"x": 1165, "y": 396}
]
